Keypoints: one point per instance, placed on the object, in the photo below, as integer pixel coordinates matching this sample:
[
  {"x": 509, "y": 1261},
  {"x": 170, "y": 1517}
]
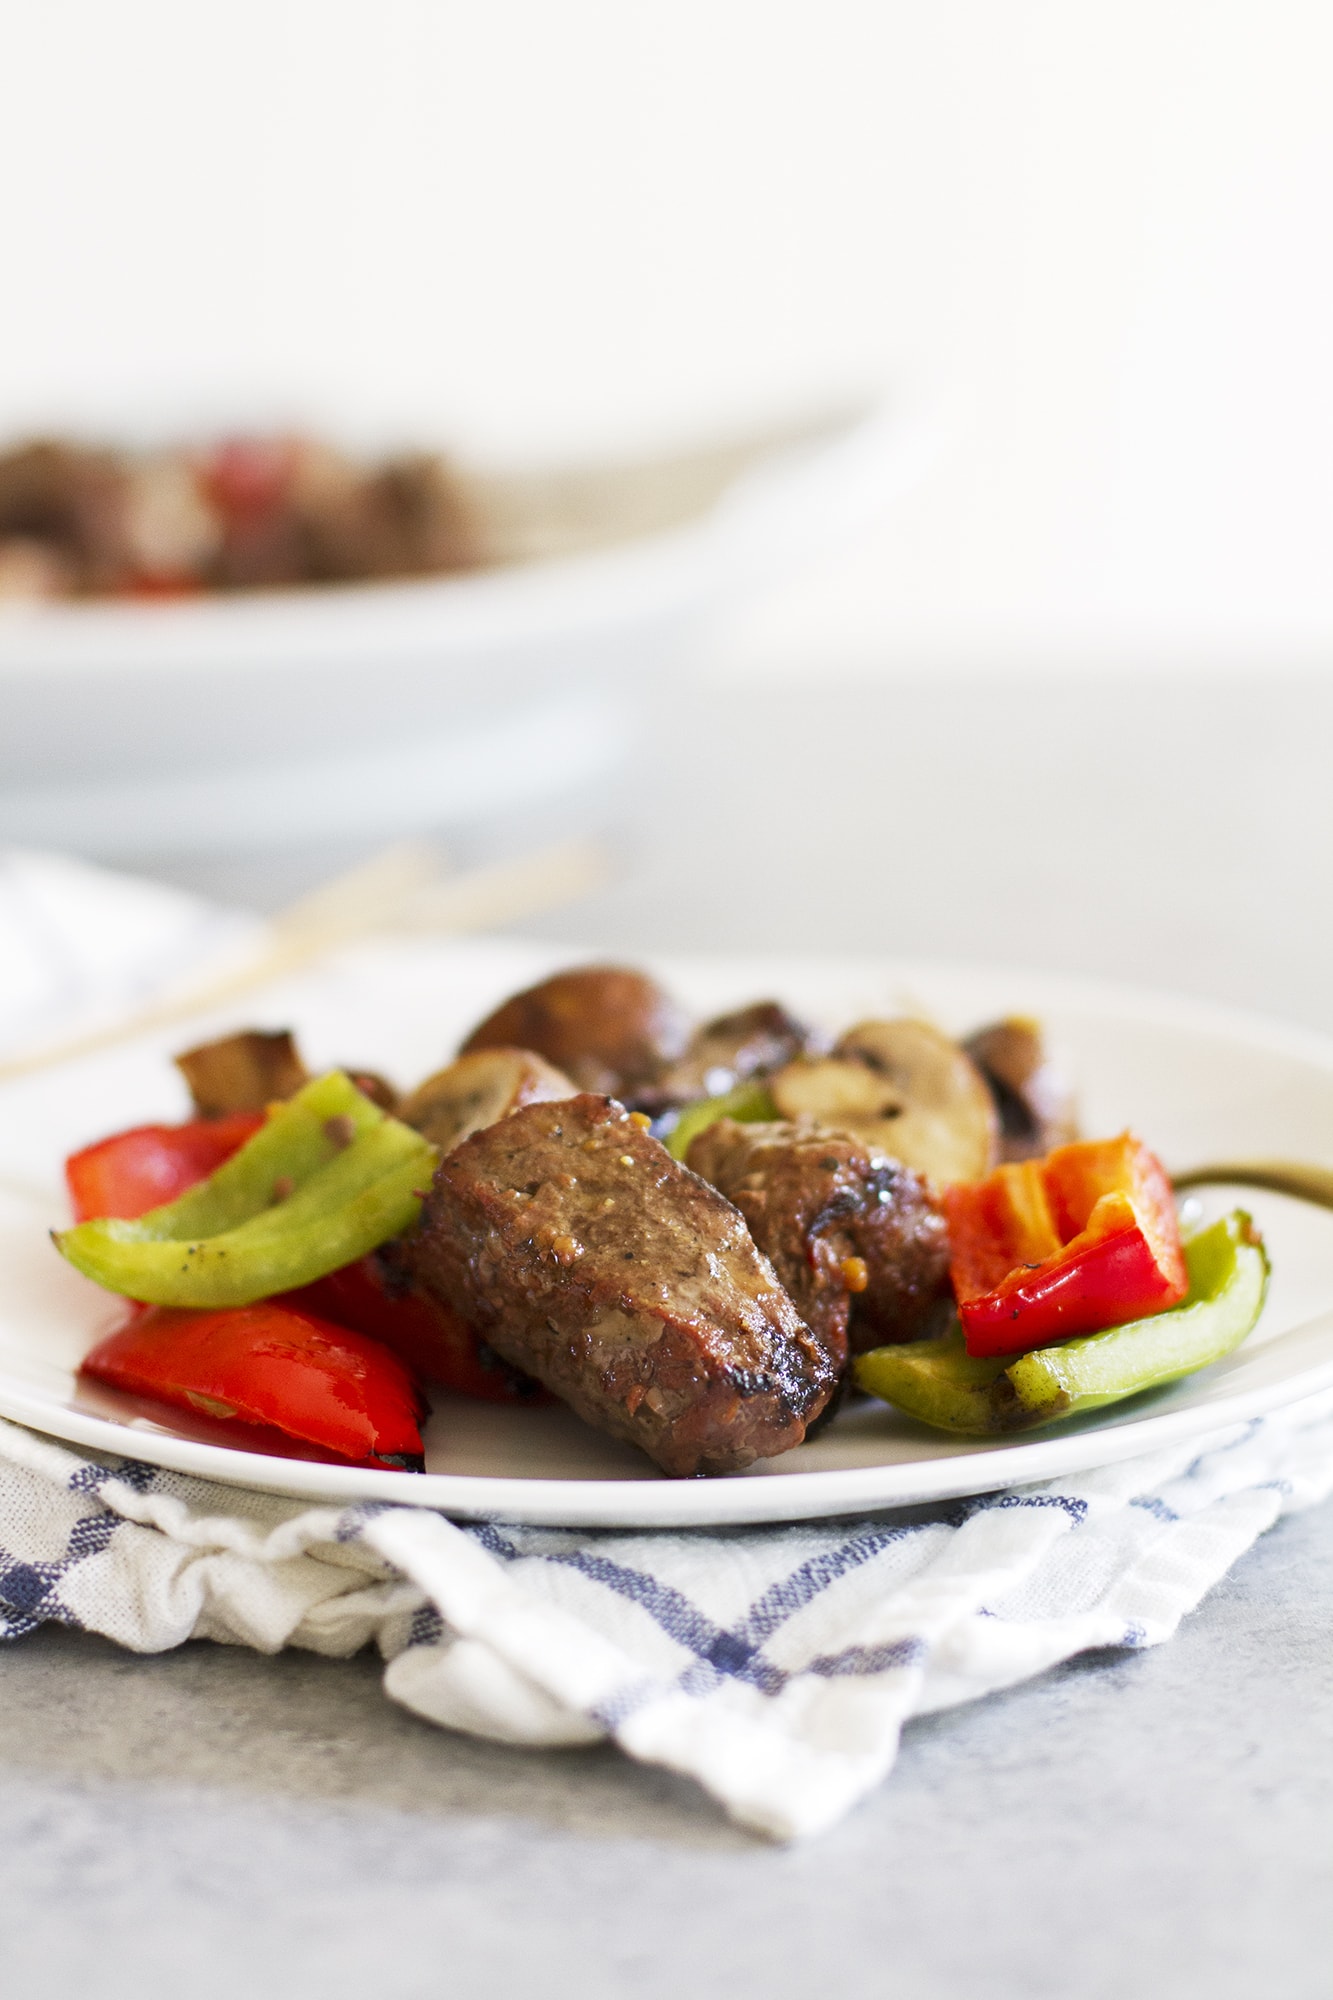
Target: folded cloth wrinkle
[{"x": 776, "y": 1667}]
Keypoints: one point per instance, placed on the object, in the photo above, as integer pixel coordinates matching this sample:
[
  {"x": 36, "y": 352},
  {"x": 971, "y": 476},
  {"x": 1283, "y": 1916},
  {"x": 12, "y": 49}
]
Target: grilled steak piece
[
  {"x": 856, "y": 1238},
  {"x": 584, "y": 1254}
]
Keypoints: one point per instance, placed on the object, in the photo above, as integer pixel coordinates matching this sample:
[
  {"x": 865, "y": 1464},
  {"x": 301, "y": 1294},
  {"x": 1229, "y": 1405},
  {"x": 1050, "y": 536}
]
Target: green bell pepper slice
[
  {"x": 939, "y": 1383},
  {"x": 325, "y": 1179},
  {"x": 750, "y": 1103}
]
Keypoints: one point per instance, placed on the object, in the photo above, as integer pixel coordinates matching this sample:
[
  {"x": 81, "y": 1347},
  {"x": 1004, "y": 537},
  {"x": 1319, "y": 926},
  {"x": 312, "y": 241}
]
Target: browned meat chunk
[
  {"x": 257, "y": 1067},
  {"x": 857, "y": 1239},
  {"x": 242, "y": 1072},
  {"x": 607, "y": 1027},
  {"x": 585, "y": 1255},
  {"x": 721, "y": 1054}
]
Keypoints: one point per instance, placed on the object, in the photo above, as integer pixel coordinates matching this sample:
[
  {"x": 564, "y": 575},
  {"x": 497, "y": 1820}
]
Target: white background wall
[{"x": 538, "y": 227}]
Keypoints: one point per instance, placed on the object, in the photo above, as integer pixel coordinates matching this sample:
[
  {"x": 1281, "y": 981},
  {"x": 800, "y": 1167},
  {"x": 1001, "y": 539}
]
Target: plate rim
[{"x": 772, "y": 1500}]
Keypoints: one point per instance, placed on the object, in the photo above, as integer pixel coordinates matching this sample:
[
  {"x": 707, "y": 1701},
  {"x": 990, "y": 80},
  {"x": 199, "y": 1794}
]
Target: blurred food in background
[
  {"x": 518, "y": 679},
  {"x": 253, "y": 513},
  {"x": 83, "y": 520}
]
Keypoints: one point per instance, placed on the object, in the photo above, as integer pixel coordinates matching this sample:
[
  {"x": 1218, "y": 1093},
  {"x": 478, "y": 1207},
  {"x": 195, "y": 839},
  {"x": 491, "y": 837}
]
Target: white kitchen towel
[{"x": 776, "y": 1666}]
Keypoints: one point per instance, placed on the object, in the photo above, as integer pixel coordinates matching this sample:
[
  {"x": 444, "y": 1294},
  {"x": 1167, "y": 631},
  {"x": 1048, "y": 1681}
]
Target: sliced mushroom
[
  {"x": 907, "y": 1089},
  {"x": 608, "y": 1028},
  {"x": 478, "y": 1090},
  {"x": 1034, "y": 1101},
  {"x": 243, "y": 1072}
]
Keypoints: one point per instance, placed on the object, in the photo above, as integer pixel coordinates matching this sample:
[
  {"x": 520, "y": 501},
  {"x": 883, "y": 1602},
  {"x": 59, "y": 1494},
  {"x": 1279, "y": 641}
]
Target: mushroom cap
[{"x": 606, "y": 1026}]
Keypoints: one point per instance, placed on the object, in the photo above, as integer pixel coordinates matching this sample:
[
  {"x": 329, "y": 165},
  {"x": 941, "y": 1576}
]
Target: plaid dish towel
[{"x": 776, "y": 1666}]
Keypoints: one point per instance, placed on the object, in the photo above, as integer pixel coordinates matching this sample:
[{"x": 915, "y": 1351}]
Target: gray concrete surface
[
  {"x": 213, "y": 1823},
  {"x": 1166, "y": 829}
]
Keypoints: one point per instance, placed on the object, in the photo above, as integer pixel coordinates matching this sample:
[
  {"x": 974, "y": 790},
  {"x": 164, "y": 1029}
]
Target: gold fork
[{"x": 1294, "y": 1177}]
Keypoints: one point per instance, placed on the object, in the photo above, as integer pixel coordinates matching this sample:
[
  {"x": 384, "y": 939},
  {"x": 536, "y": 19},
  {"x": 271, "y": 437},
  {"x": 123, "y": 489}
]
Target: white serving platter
[{"x": 1198, "y": 1083}]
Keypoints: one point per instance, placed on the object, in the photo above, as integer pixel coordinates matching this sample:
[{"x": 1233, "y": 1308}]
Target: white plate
[{"x": 1197, "y": 1083}]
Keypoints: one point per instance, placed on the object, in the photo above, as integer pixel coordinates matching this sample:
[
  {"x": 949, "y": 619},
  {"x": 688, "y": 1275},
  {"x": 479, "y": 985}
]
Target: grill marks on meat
[
  {"x": 814, "y": 1199},
  {"x": 585, "y": 1255}
]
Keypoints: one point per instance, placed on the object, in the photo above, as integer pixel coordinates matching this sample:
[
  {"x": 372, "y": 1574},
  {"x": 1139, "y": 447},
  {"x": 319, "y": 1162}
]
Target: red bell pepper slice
[
  {"x": 266, "y": 1364},
  {"x": 432, "y": 1340},
  {"x": 133, "y": 1171},
  {"x": 1042, "y": 1250}
]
